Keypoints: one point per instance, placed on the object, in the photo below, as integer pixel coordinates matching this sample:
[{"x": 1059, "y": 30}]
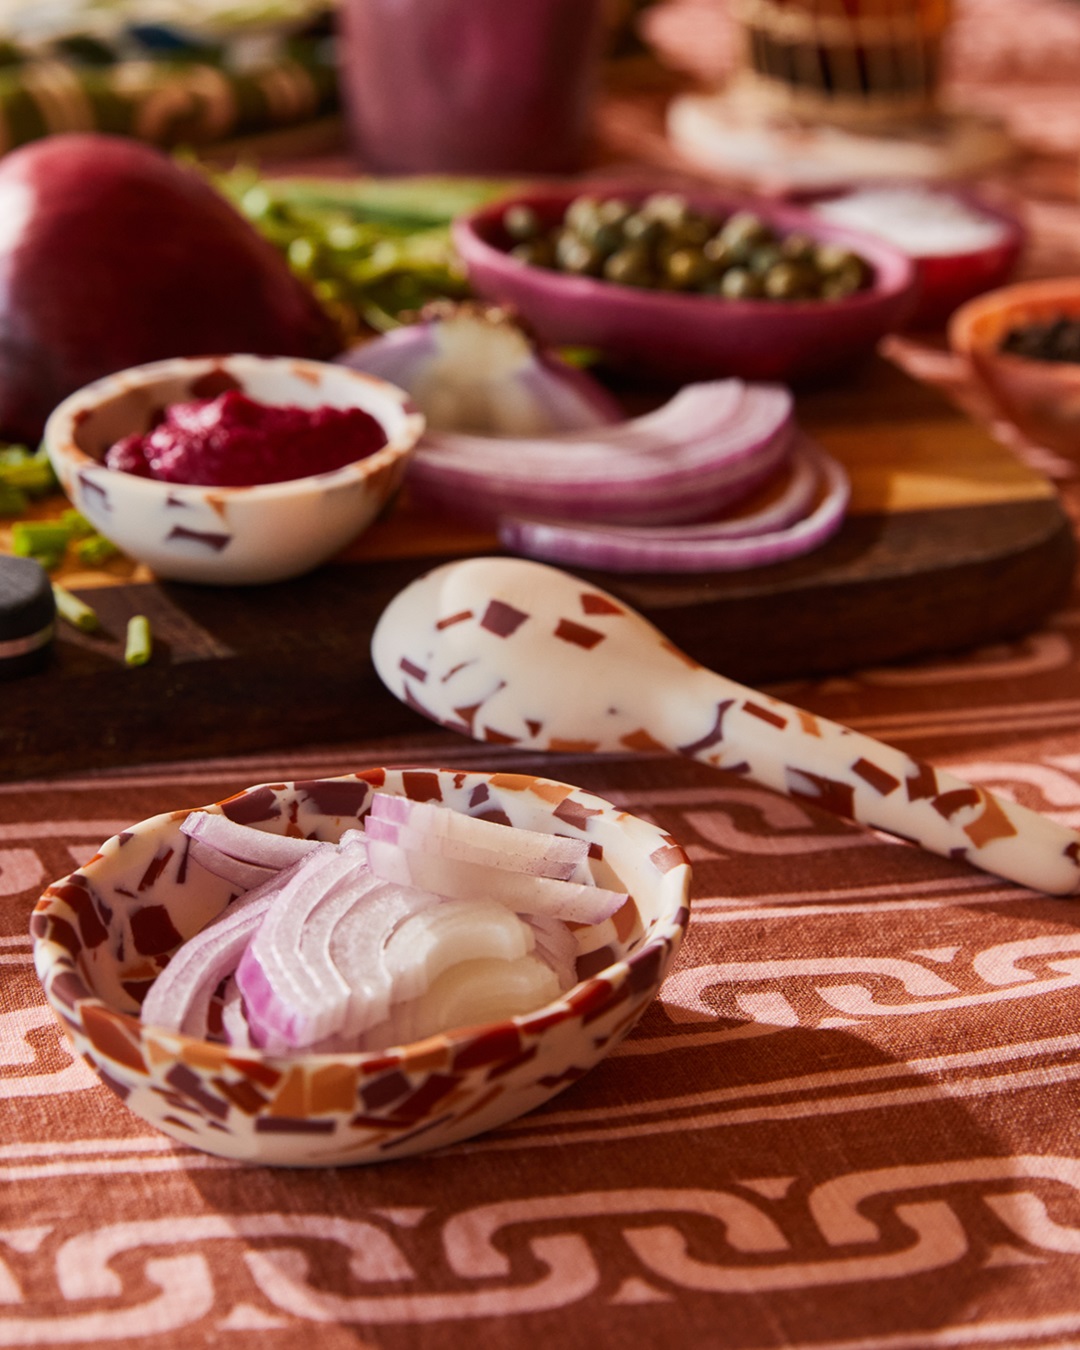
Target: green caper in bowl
[{"x": 665, "y": 243}]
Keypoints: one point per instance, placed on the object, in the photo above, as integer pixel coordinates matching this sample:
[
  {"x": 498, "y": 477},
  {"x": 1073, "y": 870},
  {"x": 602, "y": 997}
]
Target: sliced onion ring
[
  {"x": 709, "y": 445},
  {"x": 626, "y": 550}
]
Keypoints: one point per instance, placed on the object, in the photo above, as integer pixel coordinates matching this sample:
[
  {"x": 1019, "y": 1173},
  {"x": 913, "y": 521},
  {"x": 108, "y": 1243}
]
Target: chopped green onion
[
  {"x": 76, "y": 524},
  {"x": 30, "y": 472},
  {"x": 74, "y": 611},
  {"x": 94, "y": 549},
  {"x": 140, "y": 644},
  {"x": 13, "y": 500},
  {"x": 43, "y": 540}
]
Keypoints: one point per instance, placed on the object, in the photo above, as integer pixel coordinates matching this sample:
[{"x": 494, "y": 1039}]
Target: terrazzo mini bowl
[
  {"x": 102, "y": 934},
  {"x": 678, "y": 336},
  {"x": 1041, "y": 398},
  {"x": 228, "y": 535}
]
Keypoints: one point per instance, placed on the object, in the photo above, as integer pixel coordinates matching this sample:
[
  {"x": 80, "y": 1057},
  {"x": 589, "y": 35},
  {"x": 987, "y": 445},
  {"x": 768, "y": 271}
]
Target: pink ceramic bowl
[
  {"x": 944, "y": 281},
  {"x": 102, "y": 934},
  {"x": 1042, "y": 398},
  {"x": 682, "y": 336}
]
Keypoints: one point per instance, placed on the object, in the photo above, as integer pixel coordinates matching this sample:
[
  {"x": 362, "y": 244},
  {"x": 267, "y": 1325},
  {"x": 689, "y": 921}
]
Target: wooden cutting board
[{"x": 950, "y": 543}]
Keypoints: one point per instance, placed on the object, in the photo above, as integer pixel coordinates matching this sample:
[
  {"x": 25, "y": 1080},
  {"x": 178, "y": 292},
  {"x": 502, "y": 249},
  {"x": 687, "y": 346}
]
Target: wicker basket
[{"x": 861, "y": 64}]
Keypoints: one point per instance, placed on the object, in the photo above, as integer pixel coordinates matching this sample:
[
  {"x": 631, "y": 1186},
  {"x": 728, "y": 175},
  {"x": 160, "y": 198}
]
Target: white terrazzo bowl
[
  {"x": 228, "y": 535},
  {"x": 102, "y": 934}
]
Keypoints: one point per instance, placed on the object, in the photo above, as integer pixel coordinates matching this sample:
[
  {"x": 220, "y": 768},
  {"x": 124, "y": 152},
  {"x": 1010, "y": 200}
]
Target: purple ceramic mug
[{"x": 470, "y": 86}]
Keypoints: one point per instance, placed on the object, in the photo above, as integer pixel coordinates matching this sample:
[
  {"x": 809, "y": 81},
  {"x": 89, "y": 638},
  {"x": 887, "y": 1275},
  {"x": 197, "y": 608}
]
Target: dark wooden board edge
[{"x": 291, "y": 667}]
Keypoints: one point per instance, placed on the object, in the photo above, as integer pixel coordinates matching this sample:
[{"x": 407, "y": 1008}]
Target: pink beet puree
[{"x": 233, "y": 441}]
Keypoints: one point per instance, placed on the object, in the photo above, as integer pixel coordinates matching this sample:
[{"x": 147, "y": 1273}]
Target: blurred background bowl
[
  {"x": 682, "y": 336},
  {"x": 228, "y": 535},
  {"x": 1040, "y": 397},
  {"x": 945, "y": 279},
  {"x": 103, "y": 933}
]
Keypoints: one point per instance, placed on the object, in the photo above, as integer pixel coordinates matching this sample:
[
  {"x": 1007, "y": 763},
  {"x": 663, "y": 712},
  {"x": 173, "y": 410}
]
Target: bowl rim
[
  {"x": 1014, "y": 238},
  {"x": 963, "y": 332},
  {"x": 59, "y": 441},
  {"x": 895, "y": 272},
  {"x": 669, "y": 928}
]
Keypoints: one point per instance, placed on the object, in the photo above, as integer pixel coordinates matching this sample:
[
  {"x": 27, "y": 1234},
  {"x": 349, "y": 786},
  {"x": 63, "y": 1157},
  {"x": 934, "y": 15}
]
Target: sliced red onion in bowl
[
  {"x": 243, "y": 875},
  {"x": 354, "y": 944},
  {"x": 293, "y": 994},
  {"x": 180, "y": 996},
  {"x": 244, "y": 842},
  {"x": 471, "y": 993},
  {"x": 457, "y": 880},
  {"x": 699, "y": 550},
  {"x": 452, "y": 834},
  {"x": 429, "y": 942}
]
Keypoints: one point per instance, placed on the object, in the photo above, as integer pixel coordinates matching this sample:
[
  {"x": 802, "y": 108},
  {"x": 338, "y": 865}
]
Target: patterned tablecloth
[{"x": 850, "y": 1119}]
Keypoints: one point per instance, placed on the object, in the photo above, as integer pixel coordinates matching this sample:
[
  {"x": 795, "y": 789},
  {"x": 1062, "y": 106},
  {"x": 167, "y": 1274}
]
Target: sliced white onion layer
[
  {"x": 427, "y": 920},
  {"x": 457, "y": 880},
  {"x": 294, "y": 996},
  {"x": 179, "y": 998},
  {"x": 471, "y": 994},
  {"x": 452, "y": 834},
  {"x": 445, "y": 935},
  {"x": 243, "y": 875},
  {"x": 244, "y": 842}
]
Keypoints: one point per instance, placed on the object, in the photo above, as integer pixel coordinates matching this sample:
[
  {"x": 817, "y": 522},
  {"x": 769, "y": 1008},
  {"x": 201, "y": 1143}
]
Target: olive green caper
[
  {"x": 844, "y": 281},
  {"x": 747, "y": 228},
  {"x": 581, "y": 213},
  {"x": 686, "y": 268},
  {"x": 521, "y": 222},
  {"x": 537, "y": 252},
  {"x": 574, "y": 255},
  {"x": 738, "y": 283},
  {"x": 721, "y": 252},
  {"x": 835, "y": 257},
  {"x": 788, "y": 280},
  {"x": 670, "y": 208},
  {"x": 630, "y": 267},
  {"x": 639, "y": 227},
  {"x": 798, "y": 246},
  {"x": 763, "y": 258},
  {"x": 613, "y": 211},
  {"x": 604, "y": 238}
]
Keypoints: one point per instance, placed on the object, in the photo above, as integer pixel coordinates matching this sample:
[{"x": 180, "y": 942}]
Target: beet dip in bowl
[{"x": 232, "y": 470}]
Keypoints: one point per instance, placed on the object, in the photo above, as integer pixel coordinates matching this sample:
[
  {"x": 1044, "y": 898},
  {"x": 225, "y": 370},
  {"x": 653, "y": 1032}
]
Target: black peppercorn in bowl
[
  {"x": 688, "y": 285},
  {"x": 1022, "y": 347}
]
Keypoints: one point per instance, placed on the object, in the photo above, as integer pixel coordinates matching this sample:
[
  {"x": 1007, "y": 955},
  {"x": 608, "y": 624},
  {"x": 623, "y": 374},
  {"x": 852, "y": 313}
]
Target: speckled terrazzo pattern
[
  {"x": 234, "y": 535},
  {"x": 103, "y": 933},
  {"x": 513, "y": 652}
]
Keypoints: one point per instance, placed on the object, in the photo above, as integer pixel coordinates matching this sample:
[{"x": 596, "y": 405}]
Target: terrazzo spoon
[{"x": 513, "y": 652}]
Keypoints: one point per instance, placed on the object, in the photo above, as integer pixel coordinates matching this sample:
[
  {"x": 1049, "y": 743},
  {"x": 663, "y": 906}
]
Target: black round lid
[{"x": 27, "y": 607}]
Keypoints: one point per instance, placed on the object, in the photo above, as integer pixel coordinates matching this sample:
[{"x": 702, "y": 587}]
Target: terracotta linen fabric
[{"x": 848, "y": 1121}]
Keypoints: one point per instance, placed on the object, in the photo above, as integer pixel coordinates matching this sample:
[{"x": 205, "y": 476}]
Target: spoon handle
[{"x": 842, "y": 771}]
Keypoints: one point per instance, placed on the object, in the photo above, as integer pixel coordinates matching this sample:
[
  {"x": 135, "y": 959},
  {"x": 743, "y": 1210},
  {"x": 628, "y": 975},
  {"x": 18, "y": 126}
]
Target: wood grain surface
[{"x": 951, "y": 543}]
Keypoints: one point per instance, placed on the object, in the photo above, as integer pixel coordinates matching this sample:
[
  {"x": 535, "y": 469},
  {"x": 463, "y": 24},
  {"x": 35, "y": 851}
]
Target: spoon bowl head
[{"x": 516, "y": 653}]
